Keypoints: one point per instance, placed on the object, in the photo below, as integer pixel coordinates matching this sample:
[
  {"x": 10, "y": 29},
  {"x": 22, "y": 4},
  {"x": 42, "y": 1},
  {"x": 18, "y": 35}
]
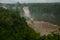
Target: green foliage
[
  {"x": 14, "y": 27},
  {"x": 50, "y": 37},
  {"x": 46, "y": 12}
]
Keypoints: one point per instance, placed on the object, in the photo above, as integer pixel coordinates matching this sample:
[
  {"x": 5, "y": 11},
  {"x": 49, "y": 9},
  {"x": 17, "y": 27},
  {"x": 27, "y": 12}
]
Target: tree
[{"x": 14, "y": 27}]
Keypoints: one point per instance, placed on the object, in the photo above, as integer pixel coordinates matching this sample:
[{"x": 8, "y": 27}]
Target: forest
[
  {"x": 49, "y": 12},
  {"x": 14, "y": 27}
]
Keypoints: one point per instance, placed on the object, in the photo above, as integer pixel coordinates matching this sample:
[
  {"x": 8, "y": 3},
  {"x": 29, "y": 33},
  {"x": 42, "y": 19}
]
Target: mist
[{"x": 26, "y": 12}]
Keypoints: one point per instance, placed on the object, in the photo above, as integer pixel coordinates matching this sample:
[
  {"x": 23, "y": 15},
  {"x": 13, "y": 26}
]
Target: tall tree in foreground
[{"x": 14, "y": 27}]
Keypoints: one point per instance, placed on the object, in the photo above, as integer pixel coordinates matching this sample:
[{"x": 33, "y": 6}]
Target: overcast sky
[{"x": 28, "y": 1}]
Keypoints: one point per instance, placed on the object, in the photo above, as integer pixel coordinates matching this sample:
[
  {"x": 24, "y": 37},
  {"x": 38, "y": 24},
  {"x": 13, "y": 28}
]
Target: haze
[{"x": 29, "y": 1}]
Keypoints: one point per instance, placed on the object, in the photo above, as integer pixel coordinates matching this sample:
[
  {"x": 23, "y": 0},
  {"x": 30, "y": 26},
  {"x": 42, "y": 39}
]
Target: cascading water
[{"x": 26, "y": 12}]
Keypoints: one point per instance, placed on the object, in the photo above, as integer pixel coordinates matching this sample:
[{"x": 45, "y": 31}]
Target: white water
[{"x": 26, "y": 12}]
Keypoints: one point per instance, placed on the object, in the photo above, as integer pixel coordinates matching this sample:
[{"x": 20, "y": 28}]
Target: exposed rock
[{"x": 42, "y": 27}]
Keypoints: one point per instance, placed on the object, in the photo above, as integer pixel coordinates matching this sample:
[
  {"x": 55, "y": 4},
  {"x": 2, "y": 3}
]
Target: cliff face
[{"x": 42, "y": 27}]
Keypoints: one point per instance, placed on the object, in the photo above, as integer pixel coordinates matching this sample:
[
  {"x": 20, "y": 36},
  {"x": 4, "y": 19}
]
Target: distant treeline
[
  {"x": 40, "y": 11},
  {"x": 49, "y": 12}
]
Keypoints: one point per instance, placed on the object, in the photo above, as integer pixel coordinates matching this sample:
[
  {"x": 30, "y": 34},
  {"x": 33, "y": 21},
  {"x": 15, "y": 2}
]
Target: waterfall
[{"x": 26, "y": 12}]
